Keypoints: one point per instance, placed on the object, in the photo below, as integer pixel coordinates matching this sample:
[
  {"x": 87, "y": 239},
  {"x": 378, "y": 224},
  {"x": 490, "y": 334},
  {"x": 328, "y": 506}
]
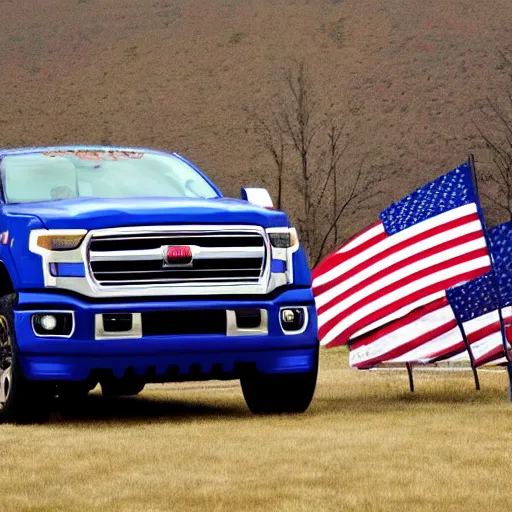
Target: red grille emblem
[{"x": 178, "y": 255}]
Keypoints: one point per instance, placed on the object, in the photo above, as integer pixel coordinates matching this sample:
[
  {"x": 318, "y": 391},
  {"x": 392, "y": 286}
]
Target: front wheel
[
  {"x": 278, "y": 394},
  {"x": 21, "y": 400}
]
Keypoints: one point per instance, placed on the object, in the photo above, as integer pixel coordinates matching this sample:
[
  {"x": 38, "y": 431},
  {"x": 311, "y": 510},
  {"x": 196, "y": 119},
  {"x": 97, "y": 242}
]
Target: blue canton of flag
[
  {"x": 474, "y": 298},
  {"x": 445, "y": 193},
  {"x": 501, "y": 249}
]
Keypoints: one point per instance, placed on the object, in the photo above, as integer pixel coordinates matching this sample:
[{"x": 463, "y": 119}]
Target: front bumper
[{"x": 162, "y": 358}]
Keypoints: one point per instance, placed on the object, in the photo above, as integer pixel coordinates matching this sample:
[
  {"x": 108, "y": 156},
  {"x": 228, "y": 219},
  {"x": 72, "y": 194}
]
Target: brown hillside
[{"x": 409, "y": 76}]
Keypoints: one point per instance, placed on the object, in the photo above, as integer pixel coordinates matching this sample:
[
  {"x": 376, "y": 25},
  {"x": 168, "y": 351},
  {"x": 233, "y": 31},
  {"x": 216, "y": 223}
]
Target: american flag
[
  {"x": 476, "y": 306},
  {"x": 477, "y": 303},
  {"x": 500, "y": 239},
  {"x": 473, "y": 306},
  {"x": 385, "y": 289}
]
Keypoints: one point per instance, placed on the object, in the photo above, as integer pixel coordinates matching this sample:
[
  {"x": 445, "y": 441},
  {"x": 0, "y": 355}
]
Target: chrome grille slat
[
  {"x": 207, "y": 253},
  {"x": 167, "y": 271},
  {"x": 226, "y": 256},
  {"x": 189, "y": 234},
  {"x": 152, "y": 242},
  {"x": 163, "y": 281}
]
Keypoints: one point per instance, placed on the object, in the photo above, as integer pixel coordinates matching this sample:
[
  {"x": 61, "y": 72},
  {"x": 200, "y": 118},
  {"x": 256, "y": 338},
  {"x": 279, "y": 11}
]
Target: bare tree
[
  {"x": 301, "y": 127},
  {"x": 306, "y": 145},
  {"x": 497, "y": 136},
  {"x": 271, "y": 135},
  {"x": 335, "y": 155}
]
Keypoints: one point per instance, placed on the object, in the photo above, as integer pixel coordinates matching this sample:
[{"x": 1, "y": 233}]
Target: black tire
[
  {"x": 279, "y": 394},
  {"x": 21, "y": 400},
  {"x": 122, "y": 387}
]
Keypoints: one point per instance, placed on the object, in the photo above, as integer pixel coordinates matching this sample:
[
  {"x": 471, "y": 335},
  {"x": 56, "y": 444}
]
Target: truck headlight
[
  {"x": 284, "y": 242},
  {"x": 60, "y": 241},
  {"x": 283, "y": 238}
]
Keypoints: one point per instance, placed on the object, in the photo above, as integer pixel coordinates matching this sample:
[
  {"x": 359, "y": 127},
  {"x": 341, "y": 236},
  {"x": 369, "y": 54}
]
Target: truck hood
[{"x": 93, "y": 213}]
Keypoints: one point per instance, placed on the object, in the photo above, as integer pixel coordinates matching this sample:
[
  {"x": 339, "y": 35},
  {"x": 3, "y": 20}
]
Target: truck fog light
[
  {"x": 288, "y": 316},
  {"x": 48, "y": 322},
  {"x": 293, "y": 319},
  {"x": 53, "y": 324}
]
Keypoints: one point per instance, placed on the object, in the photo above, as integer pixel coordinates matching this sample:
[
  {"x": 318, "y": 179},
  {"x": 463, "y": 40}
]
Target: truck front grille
[{"x": 138, "y": 258}]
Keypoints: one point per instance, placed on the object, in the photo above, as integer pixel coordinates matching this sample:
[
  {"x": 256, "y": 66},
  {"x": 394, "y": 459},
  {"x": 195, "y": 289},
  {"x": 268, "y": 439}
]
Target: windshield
[{"x": 66, "y": 174}]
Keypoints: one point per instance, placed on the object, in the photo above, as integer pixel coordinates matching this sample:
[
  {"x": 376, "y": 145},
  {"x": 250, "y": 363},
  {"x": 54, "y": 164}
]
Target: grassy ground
[{"x": 365, "y": 444}]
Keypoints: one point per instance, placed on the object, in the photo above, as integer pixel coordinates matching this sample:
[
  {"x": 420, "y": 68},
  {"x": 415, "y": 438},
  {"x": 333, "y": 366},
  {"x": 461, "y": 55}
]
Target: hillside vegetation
[{"x": 407, "y": 78}]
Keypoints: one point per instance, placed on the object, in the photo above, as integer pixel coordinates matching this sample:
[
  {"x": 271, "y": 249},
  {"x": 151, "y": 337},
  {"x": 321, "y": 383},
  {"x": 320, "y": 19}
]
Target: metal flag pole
[
  {"x": 509, "y": 369},
  {"x": 496, "y": 283},
  {"x": 471, "y": 161},
  {"x": 505, "y": 348},
  {"x": 409, "y": 373},
  {"x": 504, "y": 337},
  {"x": 471, "y": 356},
  {"x": 504, "y": 340}
]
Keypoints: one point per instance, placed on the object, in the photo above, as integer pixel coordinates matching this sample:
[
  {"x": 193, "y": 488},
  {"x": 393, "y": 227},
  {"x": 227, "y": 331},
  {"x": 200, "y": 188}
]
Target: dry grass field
[{"x": 365, "y": 444}]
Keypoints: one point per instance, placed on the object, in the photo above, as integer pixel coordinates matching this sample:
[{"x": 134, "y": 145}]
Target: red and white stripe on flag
[
  {"x": 425, "y": 335},
  {"x": 431, "y": 334},
  {"x": 375, "y": 279},
  {"x": 484, "y": 336}
]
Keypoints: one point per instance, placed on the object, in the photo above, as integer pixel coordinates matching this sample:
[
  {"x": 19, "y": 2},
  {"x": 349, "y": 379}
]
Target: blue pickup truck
[{"x": 124, "y": 266}]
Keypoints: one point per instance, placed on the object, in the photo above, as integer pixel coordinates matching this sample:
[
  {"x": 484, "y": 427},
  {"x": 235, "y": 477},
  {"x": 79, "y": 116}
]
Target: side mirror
[{"x": 258, "y": 197}]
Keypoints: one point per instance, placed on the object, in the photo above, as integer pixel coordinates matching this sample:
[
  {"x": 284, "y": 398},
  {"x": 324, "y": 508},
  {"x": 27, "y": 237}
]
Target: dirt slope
[{"x": 410, "y": 77}]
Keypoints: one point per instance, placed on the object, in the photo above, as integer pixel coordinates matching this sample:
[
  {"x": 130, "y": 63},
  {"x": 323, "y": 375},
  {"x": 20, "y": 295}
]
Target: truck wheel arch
[{"x": 6, "y": 284}]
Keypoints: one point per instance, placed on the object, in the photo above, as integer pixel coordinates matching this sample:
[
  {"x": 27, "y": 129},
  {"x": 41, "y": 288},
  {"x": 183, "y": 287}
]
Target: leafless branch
[
  {"x": 353, "y": 194},
  {"x": 306, "y": 145},
  {"x": 497, "y": 137}
]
